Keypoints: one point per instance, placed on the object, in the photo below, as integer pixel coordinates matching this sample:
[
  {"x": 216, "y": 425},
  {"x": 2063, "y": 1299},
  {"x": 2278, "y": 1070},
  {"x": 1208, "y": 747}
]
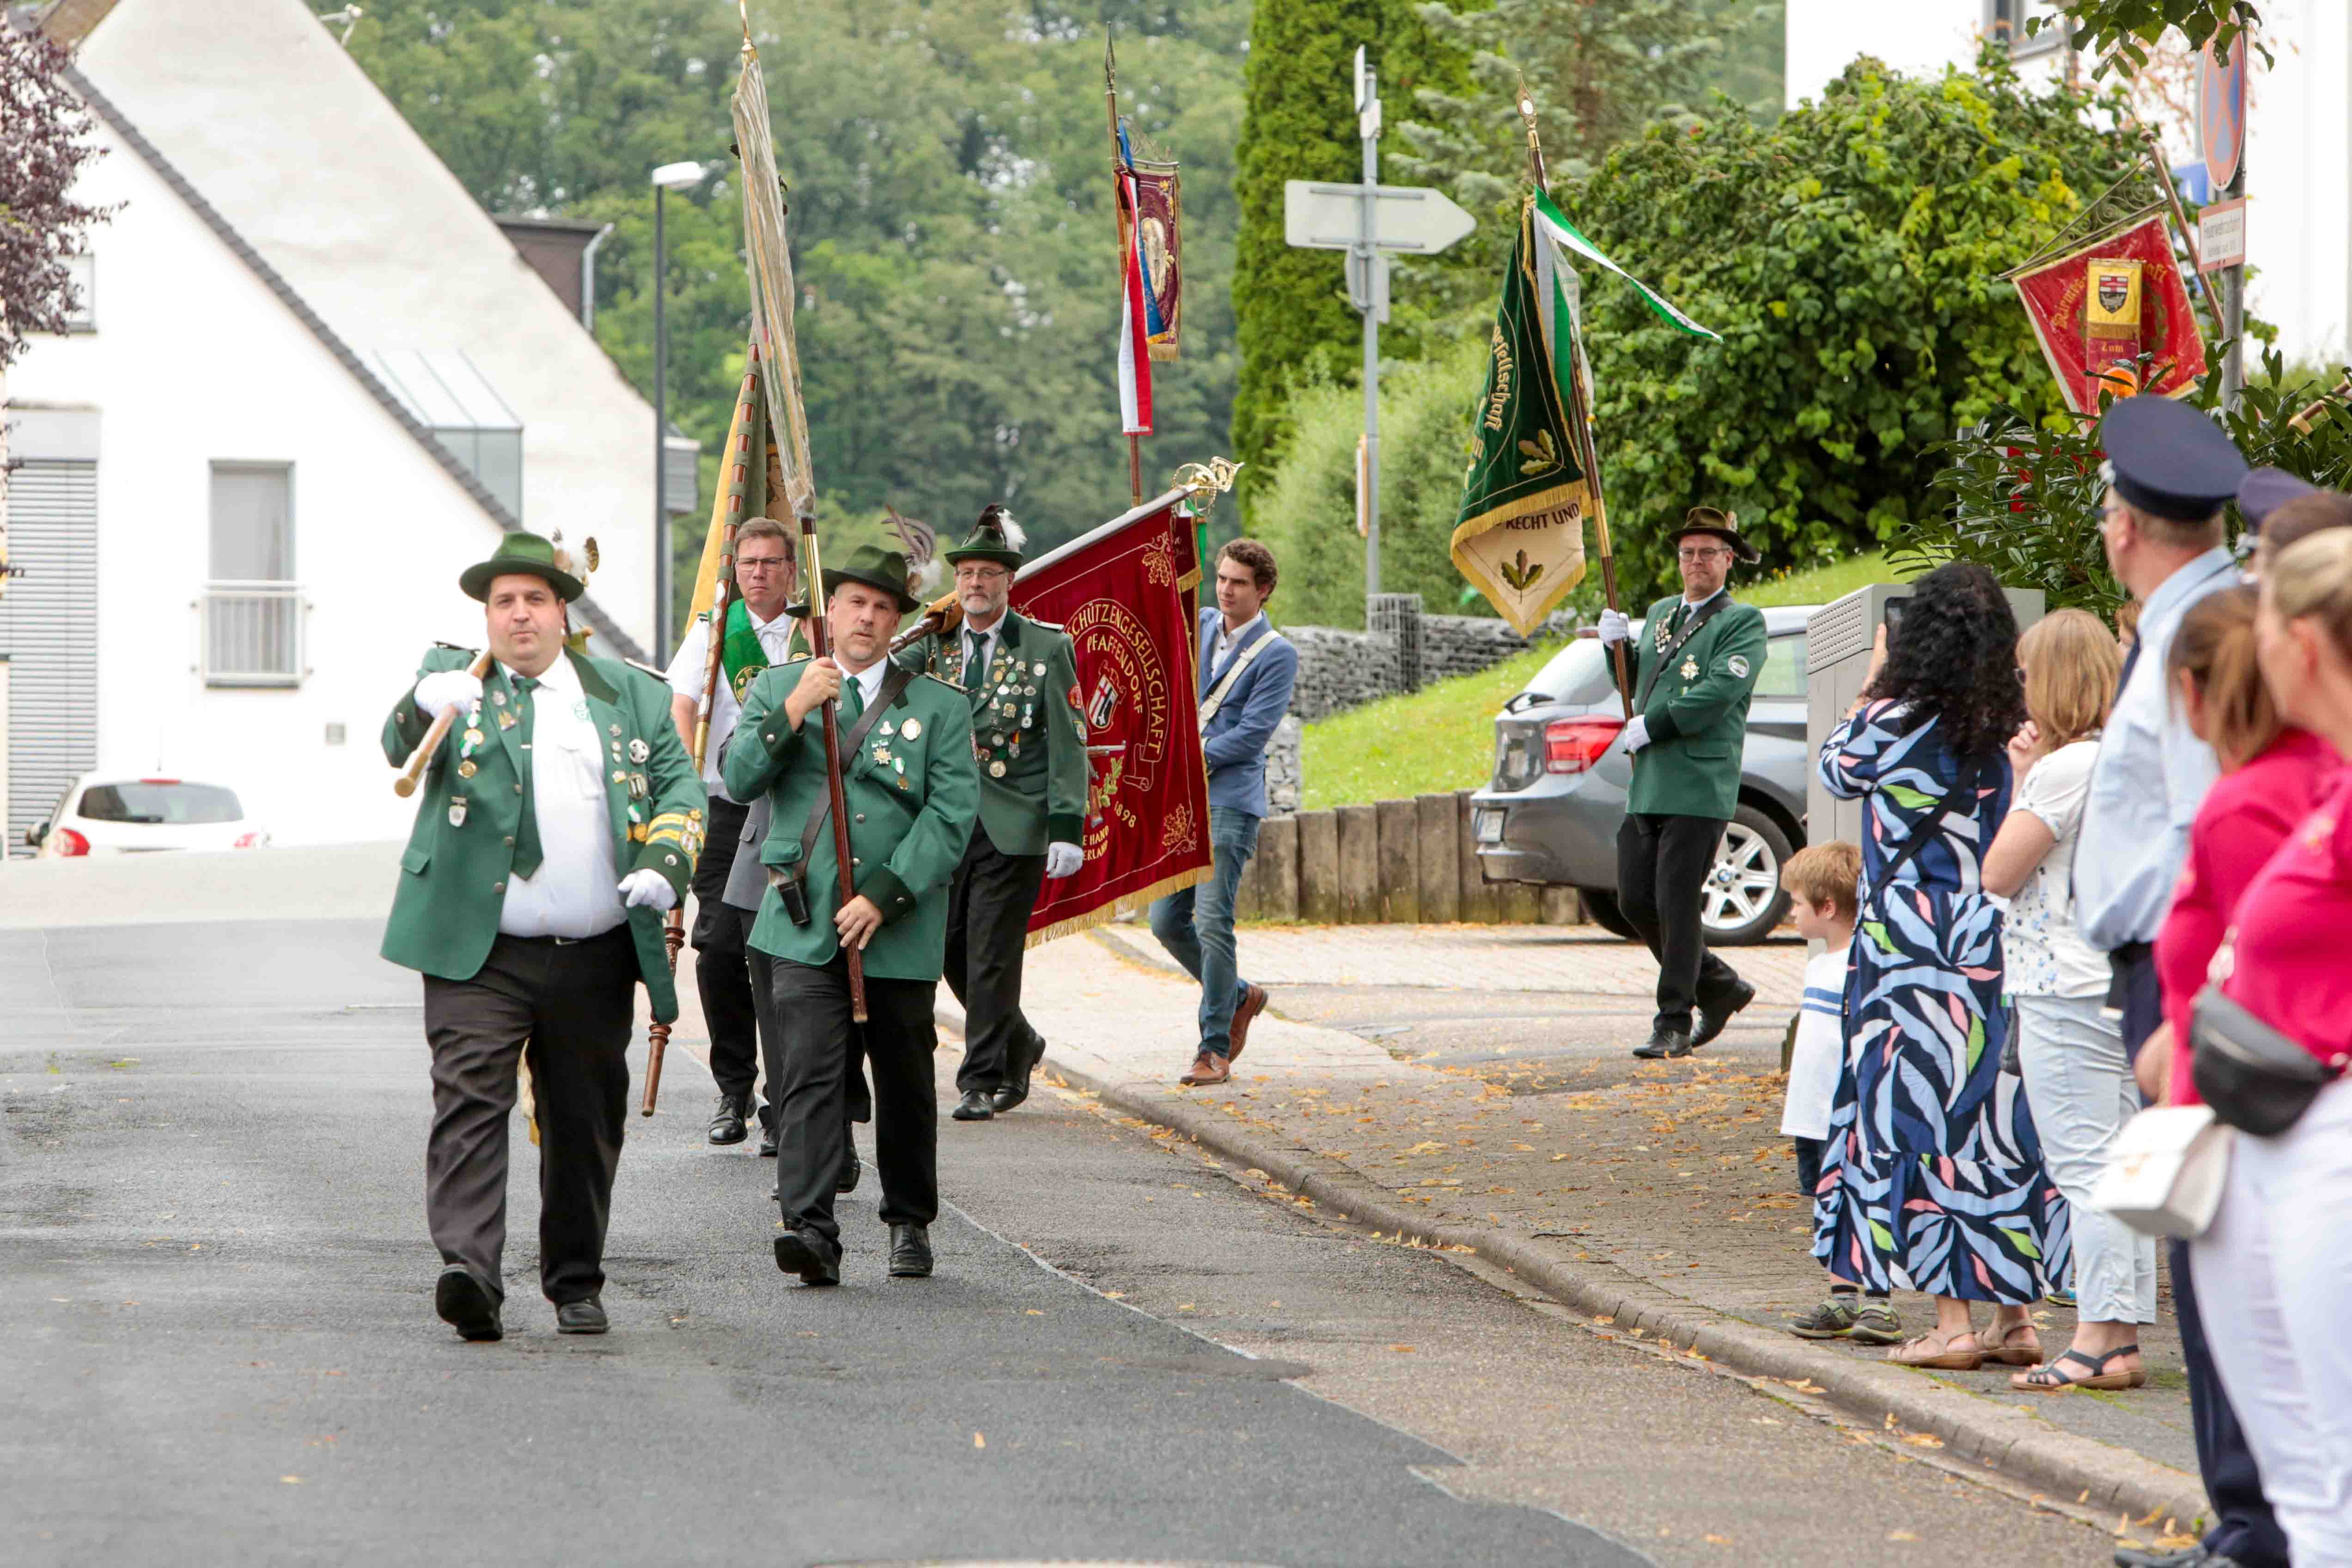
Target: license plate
[{"x": 1489, "y": 825}]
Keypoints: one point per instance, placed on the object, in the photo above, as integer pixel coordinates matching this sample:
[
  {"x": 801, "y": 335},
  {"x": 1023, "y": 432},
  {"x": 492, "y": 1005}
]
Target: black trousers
[
  {"x": 722, "y": 970},
  {"x": 1661, "y": 865},
  {"x": 573, "y": 1006},
  {"x": 989, "y": 905},
  {"x": 858, "y": 1102},
  {"x": 812, "y": 1009}
]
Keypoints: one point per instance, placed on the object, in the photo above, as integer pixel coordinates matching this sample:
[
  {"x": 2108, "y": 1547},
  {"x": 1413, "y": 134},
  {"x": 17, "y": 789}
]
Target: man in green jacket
[
  {"x": 911, "y": 792},
  {"x": 1695, "y": 668},
  {"x": 1030, "y": 745},
  {"x": 559, "y": 819}
]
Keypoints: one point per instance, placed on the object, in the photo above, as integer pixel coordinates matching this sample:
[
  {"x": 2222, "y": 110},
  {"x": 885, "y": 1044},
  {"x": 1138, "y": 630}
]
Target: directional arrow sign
[{"x": 1317, "y": 217}]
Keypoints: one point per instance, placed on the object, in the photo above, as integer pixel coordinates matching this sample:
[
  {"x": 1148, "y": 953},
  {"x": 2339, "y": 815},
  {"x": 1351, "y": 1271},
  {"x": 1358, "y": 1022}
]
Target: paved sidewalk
[{"x": 1660, "y": 1193}]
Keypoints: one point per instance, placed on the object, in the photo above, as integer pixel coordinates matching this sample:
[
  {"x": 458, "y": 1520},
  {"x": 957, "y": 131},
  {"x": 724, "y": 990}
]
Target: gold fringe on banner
[{"x": 1119, "y": 905}]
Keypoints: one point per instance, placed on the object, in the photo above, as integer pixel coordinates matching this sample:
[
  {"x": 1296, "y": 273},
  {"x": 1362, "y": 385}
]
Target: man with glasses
[
  {"x": 758, "y": 633},
  {"x": 1695, "y": 668},
  {"x": 1022, "y": 677}
]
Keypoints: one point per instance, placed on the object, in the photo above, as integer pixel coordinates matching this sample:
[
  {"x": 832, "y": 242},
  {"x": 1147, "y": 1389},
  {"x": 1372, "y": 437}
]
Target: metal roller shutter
[{"x": 48, "y": 625}]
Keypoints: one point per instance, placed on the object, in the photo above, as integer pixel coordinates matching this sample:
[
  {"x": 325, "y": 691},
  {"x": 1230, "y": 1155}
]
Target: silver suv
[{"x": 1551, "y": 813}]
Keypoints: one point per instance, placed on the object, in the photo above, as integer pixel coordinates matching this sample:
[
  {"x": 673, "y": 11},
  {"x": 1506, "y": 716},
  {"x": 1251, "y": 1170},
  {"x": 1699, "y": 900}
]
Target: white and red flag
[{"x": 1134, "y": 317}]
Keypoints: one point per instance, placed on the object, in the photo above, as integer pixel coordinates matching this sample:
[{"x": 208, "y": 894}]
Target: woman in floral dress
[{"x": 1932, "y": 1178}]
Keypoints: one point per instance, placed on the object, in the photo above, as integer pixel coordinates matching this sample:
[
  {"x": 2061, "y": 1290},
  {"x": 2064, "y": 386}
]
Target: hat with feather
[{"x": 995, "y": 537}]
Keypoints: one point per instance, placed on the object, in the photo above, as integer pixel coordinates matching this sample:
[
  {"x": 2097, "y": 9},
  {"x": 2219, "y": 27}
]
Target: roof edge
[{"x": 494, "y": 509}]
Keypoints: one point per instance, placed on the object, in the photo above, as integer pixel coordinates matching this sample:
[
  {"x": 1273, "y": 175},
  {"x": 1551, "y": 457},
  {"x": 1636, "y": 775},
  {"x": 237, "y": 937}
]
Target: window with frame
[
  {"x": 252, "y": 603},
  {"x": 2007, "y": 20}
]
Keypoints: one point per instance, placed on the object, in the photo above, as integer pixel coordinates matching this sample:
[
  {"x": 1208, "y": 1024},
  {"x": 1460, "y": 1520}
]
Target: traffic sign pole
[{"x": 1369, "y": 266}]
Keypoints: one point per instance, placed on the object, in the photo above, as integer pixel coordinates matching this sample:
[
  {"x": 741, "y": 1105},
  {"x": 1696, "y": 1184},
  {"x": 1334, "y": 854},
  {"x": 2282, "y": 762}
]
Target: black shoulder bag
[
  {"x": 1925, "y": 831},
  {"x": 2256, "y": 1078}
]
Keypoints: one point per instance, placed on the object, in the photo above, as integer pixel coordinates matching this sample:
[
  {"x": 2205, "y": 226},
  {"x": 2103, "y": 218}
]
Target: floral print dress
[{"x": 1932, "y": 1177}]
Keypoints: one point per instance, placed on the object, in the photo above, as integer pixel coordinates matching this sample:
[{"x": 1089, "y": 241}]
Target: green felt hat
[
  {"x": 525, "y": 552},
  {"x": 874, "y": 566},
  {"x": 995, "y": 537}
]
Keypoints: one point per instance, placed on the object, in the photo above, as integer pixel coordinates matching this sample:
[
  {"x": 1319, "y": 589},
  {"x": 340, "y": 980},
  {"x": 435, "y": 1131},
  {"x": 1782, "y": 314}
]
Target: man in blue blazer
[{"x": 1246, "y": 670}]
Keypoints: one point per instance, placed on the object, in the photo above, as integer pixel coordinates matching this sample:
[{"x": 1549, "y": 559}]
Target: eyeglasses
[
  {"x": 761, "y": 562},
  {"x": 981, "y": 574},
  {"x": 1701, "y": 554}
]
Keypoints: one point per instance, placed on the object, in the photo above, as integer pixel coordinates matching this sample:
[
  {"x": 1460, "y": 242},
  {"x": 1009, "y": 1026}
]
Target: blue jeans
[{"x": 1196, "y": 925}]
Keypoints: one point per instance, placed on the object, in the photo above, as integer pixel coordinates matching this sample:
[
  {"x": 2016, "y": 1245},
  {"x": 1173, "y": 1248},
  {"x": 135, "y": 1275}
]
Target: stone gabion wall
[
  {"x": 1339, "y": 669},
  {"x": 1342, "y": 670},
  {"x": 1284, "y": 779}
]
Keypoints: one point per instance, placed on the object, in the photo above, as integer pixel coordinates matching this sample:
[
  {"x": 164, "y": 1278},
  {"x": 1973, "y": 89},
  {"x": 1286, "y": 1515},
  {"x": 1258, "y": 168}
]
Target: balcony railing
[{"x": 252, "y": 634}]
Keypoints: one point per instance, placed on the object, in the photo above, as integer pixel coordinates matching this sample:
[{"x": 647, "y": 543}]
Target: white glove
[
  {"x": 1614, "y": 627},
  {"x": 1637, "y": 734},
  {"x": 647, "y": 890},
  {"x": 1064, "y": 859},
  {"x": 447, "y": 689}
]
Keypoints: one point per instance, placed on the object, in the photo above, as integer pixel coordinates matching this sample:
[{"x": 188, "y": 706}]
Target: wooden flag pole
[
  {"x": 1579, "y": 424},
  {"x": 1125, "y": 243}
]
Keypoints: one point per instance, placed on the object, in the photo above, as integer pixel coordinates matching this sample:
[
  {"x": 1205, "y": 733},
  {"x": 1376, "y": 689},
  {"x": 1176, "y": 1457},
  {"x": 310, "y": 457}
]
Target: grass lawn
[{"x": 1442, "y": 736}]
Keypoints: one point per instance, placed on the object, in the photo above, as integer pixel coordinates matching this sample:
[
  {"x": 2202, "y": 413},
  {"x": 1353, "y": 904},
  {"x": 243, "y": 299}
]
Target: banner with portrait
[{"x": 1121, "y": 594}]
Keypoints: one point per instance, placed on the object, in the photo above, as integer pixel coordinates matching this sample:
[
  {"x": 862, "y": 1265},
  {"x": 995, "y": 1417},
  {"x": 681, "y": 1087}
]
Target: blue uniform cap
[
  {"x": 2264, "y": 490},
  {"x": 2170, "y": 460}
]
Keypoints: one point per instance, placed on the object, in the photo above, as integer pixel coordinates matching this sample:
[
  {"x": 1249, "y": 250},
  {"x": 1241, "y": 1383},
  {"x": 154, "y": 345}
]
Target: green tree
[
  {"x": 2122, "y": 30},
  {"x": 2024, "y": 497},
  {"x": 1292, "y": 319},
  {"x": 1851, "y": 258}
]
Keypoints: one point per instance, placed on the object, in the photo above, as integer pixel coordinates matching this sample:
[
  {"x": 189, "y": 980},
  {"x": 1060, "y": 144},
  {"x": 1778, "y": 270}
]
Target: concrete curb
[{"x": 2001, "y": 1437}]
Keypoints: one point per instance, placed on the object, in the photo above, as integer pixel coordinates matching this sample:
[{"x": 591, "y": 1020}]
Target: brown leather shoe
[
  {"x": 1208, "y": 1067},
  {"x": 1251, "y": 1004}
]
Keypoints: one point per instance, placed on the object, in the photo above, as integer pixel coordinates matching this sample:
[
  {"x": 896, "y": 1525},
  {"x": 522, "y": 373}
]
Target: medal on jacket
[
  {"x": 912, "y": 729},
  {"x": 1690, "y": 669},
  {"x": 456, "y": 811}
]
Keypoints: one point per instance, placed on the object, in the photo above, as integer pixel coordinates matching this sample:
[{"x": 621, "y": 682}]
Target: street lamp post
[{"x": 668, "y": 177}]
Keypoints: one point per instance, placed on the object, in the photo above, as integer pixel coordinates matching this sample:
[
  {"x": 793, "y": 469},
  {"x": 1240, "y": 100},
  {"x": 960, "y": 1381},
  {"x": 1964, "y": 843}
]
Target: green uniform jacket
[
  {"x": 1026, "y": 733},
  {"x": 912, "y": 795},
  {"x": 453, "y": 879},
  {"x": 1697, "y": 712}
]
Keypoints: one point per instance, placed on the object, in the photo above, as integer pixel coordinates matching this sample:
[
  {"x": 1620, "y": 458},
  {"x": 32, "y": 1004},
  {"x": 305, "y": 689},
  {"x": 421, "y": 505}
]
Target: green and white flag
[{"x": 1554, "y": 225}]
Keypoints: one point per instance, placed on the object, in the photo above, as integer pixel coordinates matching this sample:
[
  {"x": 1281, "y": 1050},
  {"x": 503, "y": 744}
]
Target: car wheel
[
  {"x": 1742, "y": 899},
  {"x": 1600, "y": 908}
]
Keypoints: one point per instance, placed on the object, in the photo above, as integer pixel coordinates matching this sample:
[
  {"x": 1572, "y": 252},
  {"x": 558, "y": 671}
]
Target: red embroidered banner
[
  {"x": 1121, "y": 592},
  {"x": 2099, "y": 307}
]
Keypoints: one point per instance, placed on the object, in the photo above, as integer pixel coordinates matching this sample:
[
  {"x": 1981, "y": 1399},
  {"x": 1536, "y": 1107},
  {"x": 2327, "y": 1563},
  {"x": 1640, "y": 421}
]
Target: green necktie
[
  {"x": 853, "y": 700},
  {"x": 977, "y": 661},
  {"x": 527, "y": 851}
]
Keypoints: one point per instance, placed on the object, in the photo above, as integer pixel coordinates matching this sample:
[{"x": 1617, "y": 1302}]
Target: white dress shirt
[
  {"x": 575, "y": 892},
  {"x": 2151, "y": 776},
  {"x": 1228, "y": 637},
  {"x": 688, "y": 670}
]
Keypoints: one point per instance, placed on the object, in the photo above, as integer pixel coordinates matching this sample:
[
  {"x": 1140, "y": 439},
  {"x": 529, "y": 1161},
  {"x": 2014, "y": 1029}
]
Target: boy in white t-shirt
[{"x": 1823, "y": 883}]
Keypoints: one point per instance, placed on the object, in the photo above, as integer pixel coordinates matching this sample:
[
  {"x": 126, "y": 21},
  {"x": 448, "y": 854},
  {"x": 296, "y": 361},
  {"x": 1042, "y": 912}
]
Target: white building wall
[
  {"x": 194, "y": 360},
  {"x": 257, "y": 103},
  {"x": 2298, "y": 137}
]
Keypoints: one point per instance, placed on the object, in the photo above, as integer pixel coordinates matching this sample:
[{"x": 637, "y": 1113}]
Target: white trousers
[
  {"x": 2275, "y": 1283},
  {"x": 2079, "y": 1083}
]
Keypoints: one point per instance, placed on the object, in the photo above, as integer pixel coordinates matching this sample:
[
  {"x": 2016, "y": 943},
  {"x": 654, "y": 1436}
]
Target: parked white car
[{"x": 107, "y": 813}]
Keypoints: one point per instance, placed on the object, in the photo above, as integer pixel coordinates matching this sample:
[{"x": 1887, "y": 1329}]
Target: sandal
[
  {"x": 1935, "y": 1353},
  {"x": 1997, "y": 1346},
  {"x": 2051, "y": 1379}
]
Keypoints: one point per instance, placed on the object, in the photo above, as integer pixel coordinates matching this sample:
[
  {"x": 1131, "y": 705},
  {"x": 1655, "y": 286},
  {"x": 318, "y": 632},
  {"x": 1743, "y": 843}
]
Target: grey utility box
[{"x": 1837, "y": 655}]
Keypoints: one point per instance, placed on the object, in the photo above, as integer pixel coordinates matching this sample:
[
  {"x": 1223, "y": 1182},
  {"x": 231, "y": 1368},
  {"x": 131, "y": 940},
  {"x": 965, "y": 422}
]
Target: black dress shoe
[
  {"x": 911, "y": 1252},
  {"x": 1662, "y": 1044},
  {"x": 810, "y": 1256},
  {"x": 727, "y": 1122},
  {"x": 1711, "y": 1020},
  {"x": 466, "y": 1304},
  {"x": 974, "y": 1106},
  {"x": 581, "y": 1316},
  {"x": 852, "y": 1168},
  {"x": 1015, "y": 1087},
  {"x": 771, "y": 1131},
  {"x": 2196, "y": 1556}
]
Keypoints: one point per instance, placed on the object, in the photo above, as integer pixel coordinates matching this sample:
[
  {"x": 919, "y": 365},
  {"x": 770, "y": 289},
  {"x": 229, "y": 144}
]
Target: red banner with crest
[
  {"x": 2099, "y": 307},
  {"x": 1119, "y": 593}
]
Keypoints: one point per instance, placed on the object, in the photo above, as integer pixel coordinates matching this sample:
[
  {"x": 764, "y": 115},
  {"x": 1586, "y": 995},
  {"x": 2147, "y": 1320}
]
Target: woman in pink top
[
  {"x": 2271, "y": 777},
  {"x": 2274, "y": 1270}
]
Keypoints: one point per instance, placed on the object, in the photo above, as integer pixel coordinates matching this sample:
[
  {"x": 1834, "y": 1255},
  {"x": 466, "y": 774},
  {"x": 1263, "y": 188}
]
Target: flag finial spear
[{"x": 1526, "y": 105}]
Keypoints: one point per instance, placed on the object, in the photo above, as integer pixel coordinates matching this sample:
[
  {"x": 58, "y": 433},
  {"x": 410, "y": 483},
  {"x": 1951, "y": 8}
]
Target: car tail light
[
  {"x": 1572, "y": 745},
  {"x": 253, "y": 840},
  {"x": 68, "y": 842}
]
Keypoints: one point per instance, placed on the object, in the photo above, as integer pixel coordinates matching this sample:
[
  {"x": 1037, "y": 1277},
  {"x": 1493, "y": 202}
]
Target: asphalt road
[{"x": 222, "y": 1347}]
